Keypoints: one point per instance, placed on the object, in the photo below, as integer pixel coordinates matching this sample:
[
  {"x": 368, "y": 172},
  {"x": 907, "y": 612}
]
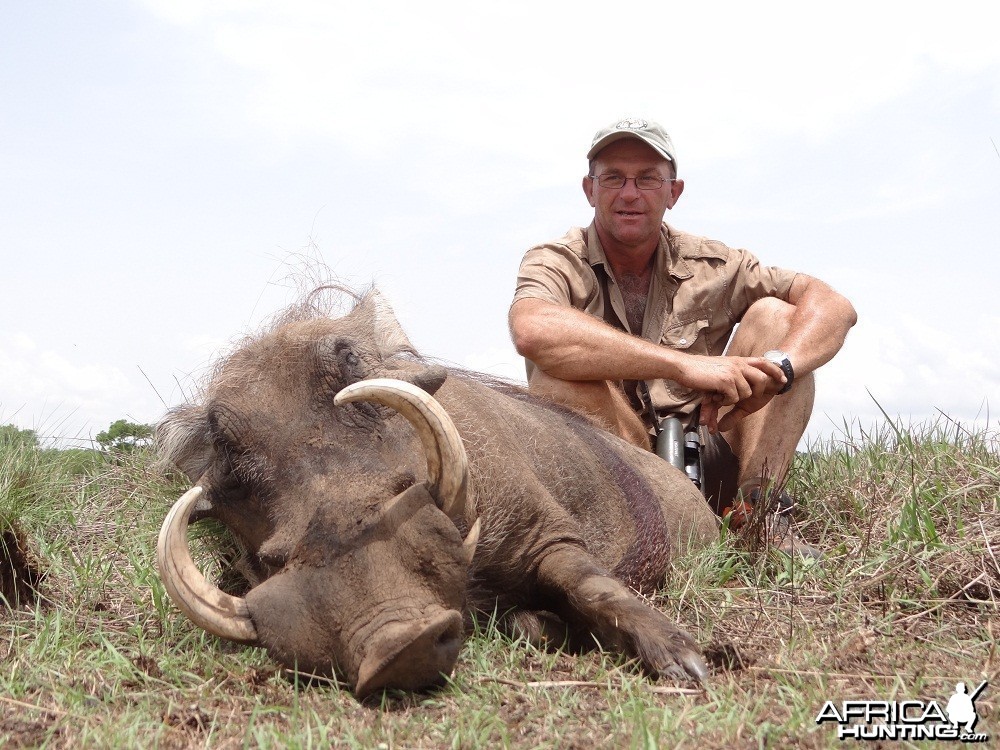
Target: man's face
[{"x": 629, "y": 217}]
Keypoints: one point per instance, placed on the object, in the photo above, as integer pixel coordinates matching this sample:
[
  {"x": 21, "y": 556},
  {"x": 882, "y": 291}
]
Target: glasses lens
[
  {"x": 613, "y": 181},
  {"x": 617, "y": 181},
  {"x": 648, "y": 183}
]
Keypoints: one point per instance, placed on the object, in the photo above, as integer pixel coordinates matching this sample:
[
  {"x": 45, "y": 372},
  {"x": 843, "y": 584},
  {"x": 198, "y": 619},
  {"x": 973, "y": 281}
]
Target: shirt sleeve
[
  {"x": 556, "y": 274},
  {"x": 752, "y": 281}
]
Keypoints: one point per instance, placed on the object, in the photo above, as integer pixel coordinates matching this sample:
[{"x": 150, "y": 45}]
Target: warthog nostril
[
  {"x": 410, "y": 656},
  {"x": 276, "y": 562}
]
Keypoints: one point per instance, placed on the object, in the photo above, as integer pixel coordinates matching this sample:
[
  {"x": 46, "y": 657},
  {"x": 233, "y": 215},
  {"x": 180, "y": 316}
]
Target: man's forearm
[
  {"x": 819, "y": 324},
  {"x": 573, "y": 345}
]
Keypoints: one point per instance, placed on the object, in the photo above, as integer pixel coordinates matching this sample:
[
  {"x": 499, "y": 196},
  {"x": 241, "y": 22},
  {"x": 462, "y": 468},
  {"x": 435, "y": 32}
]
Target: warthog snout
[{"x": 411, "y": 656}]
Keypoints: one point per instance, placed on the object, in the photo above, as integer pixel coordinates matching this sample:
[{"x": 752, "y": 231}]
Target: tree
[
  {"x": 12, "y": 436},
  {"x": 124, "y": 436}
]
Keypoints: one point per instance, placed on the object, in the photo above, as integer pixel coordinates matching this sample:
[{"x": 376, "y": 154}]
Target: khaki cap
[{"x": 648, "y": 132}]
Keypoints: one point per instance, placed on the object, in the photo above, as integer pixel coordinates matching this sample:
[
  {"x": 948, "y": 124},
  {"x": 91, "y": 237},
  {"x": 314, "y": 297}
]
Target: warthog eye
[
  {"x": 228, "y": 483},
  {"x": 339, "y": 364}
]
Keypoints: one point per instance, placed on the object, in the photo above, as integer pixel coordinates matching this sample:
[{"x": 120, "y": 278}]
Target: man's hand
[{"x": 746, "y": 383}]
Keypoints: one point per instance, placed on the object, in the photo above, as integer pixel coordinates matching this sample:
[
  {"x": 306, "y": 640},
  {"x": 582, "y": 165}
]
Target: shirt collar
[{"x": 669, "y": 252}]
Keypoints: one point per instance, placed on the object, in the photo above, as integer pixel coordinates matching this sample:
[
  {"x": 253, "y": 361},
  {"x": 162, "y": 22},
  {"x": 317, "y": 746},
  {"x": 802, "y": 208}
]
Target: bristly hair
[{"x": 182, "y": 439}]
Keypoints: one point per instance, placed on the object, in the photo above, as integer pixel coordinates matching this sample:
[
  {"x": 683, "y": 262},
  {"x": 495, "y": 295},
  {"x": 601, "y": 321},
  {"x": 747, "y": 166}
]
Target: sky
[{"x": 166, "y": 165}]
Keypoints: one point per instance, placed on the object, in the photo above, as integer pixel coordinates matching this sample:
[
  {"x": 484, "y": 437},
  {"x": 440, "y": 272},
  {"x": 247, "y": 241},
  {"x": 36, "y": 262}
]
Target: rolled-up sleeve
[
  {"x": 555, "y": 273},
  {"x": 752, "y": 281}
]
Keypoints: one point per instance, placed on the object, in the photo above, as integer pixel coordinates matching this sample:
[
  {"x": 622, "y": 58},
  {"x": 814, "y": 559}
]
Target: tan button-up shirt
[{"x": 699, "y": 291}]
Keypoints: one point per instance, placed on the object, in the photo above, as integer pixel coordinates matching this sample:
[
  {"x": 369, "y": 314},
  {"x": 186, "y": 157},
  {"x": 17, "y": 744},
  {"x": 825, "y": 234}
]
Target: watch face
[{"x": 781, "y": 360}]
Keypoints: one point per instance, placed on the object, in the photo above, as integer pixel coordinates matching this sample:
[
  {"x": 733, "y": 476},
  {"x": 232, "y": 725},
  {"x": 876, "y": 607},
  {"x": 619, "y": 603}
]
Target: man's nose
[{"x": 629, "y": 191}]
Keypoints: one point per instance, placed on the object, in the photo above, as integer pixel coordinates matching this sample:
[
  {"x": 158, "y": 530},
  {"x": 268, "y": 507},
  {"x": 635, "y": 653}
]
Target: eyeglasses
[{"x": 617, "y": 181}]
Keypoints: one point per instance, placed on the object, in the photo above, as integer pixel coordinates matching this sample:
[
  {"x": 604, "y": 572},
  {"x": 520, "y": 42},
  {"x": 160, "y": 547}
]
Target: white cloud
[
  {"x": 912, "y": 370},
  {"x": 722, "y": 74},
  {"x": 60, "y": 396}
]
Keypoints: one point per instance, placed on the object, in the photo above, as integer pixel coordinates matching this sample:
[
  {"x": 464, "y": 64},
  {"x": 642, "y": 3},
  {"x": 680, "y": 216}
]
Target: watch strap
[{"x": 781, "y": 359}]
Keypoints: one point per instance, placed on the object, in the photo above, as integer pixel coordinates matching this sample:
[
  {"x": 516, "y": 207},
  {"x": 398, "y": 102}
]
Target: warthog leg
[{"x": 588, "y": 598}]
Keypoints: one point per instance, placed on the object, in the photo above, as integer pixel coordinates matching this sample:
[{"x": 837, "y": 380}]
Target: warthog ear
[
  {"x": 183, "y": 441},
  {"x": 375, "y": 312}
]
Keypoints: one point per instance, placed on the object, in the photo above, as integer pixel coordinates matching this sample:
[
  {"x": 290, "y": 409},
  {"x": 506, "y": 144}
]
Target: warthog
[{"x": 380, "y": 498}]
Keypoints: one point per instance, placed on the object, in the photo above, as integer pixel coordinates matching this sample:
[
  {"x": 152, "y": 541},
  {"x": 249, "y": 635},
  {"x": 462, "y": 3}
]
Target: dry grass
[{"x": 904, "y": 606}]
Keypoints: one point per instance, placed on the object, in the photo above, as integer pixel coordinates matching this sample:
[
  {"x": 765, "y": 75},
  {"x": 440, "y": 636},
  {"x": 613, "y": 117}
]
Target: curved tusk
[
  {"x": 469, "y": 545},
  {"x": 447, "y": 464},
  {"x": 205, "y": 604}
]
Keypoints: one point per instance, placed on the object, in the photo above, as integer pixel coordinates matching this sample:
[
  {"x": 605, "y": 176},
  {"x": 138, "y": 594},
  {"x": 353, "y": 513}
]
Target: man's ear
[
  {"x": 588, "y": 189},
  {"x": 676, "y": 188}
]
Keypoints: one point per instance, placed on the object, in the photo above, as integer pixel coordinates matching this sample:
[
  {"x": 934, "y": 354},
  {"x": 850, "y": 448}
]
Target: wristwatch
[{"x": 781, "y": 359}]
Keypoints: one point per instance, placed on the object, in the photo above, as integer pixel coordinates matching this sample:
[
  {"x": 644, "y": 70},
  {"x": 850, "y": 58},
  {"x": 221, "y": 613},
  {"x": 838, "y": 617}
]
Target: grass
[{"x": 904, "y": 606}]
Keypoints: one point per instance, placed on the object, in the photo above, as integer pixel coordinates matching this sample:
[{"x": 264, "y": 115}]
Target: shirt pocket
[{"x": 690, "y": 337}]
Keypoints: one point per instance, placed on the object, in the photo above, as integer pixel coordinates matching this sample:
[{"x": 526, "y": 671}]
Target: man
[{"x": 631, "y": 315}]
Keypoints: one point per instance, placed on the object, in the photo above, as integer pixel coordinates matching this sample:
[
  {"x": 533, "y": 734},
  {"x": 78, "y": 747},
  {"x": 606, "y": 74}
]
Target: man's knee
[
  {"x": 601, "y": 400},
  {"x": 567, "y": 392},
  {"x": 768, "y": 314},
  {"x": 764, "y": 325},
  {"x": 588, "y": 396}
]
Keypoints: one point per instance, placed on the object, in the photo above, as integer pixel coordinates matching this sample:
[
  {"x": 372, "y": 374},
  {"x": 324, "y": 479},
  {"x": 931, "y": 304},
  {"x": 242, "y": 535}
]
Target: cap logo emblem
[{"x": 631, "y": 123}]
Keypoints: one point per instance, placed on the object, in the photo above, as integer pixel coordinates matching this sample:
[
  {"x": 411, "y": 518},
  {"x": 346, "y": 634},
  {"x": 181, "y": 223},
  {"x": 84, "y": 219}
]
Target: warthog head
[{"x": 321, "y": 447}]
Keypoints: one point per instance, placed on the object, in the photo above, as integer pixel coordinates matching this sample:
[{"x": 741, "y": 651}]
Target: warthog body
[{"x": 359, "y": 559}]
